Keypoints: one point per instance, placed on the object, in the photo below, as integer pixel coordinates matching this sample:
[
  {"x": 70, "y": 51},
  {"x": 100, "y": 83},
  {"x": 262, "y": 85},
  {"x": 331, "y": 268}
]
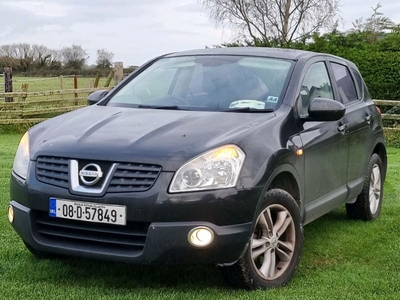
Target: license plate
[{"x": 87, "y": 211}]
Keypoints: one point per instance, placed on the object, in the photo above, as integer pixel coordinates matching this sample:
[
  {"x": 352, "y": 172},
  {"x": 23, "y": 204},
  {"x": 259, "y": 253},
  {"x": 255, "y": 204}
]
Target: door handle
[
  {"x": 343, "y": 128},
  {"x": 368, "y": 118}
]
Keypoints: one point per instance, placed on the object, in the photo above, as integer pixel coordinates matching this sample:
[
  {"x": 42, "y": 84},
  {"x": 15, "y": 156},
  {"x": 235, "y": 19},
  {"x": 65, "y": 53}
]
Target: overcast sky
[{"x": 134, "y": 30}]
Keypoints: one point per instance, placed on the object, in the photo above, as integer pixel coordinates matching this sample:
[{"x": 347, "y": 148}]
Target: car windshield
[{"x": 215, "y": 83}]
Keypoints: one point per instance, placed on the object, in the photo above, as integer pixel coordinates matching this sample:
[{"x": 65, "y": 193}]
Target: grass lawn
[{"x": 342, "y": 259}]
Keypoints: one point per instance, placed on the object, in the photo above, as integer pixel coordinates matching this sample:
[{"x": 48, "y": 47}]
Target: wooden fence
[
  {"x": 34, "y": 107},
  {"x": 394, "y": 107}
]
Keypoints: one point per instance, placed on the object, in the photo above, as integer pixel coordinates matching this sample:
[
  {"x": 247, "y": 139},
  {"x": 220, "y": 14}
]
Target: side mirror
[
  {"x": 96, "y": 96},
  {"x": 323, "y": 109}
]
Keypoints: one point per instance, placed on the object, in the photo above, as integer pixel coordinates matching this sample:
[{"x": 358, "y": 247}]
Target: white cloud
[{"x": 39, "y": 8}]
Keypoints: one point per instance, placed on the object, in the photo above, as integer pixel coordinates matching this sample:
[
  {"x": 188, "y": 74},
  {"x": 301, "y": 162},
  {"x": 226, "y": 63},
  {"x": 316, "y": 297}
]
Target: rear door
[{"x": 358, "y": 119}]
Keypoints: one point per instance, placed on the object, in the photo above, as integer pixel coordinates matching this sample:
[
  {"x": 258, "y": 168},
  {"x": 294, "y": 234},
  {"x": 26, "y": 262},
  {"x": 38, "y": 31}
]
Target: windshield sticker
[{"x": 272, "y": 99}]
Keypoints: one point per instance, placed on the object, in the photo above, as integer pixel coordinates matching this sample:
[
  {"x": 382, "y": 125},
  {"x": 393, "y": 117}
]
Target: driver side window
[{"x": 316, "y": 84}]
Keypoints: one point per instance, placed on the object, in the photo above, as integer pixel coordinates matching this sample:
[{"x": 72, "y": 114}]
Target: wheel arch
[
  {"x": 284, "y": 177},
  {"x": 380, "y": 149}
]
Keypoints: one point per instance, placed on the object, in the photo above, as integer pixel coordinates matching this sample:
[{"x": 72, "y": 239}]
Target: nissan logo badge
[{"x": 90, "y": 174}]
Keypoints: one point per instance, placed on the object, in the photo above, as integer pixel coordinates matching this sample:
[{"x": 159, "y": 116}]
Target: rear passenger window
[{"x": 345, "y": 83}]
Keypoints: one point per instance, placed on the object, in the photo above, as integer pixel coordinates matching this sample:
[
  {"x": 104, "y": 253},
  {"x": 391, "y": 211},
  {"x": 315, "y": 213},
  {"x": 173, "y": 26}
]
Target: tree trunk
[{"x": 286, "y": 17}]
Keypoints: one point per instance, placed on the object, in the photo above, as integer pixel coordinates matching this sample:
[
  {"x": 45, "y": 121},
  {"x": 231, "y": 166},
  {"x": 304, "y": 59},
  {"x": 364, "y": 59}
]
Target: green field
[
  {"x": 37, "y": 84},
  {"x": 342, "y": 259}
]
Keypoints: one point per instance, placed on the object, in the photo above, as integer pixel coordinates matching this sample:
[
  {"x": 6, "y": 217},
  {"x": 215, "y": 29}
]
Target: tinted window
[
  {"x": 208, "y": 83},
  {"x": 345, "y": 83},
  {"x": 316, "y": 84},
  {"x": 360, "y": 84}
]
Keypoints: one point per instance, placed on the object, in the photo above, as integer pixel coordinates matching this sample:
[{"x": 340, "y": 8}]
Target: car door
[
  {"x": 325, "y": 147},
  {"x": 357, "y": 119}
]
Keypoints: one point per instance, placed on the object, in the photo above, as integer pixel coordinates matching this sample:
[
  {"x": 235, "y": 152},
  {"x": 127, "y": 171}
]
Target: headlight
[
  {"x": 21, "y": 160},
  {"x": 215, "y": 169}
]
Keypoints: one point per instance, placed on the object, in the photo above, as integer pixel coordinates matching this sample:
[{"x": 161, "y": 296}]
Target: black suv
[{"x": 210, "y": 156}]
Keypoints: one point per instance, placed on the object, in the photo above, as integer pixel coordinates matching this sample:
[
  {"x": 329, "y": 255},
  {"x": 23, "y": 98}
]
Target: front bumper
[
  {"x": 157, "y": 228},
  {"x": 164, "y": 243}
]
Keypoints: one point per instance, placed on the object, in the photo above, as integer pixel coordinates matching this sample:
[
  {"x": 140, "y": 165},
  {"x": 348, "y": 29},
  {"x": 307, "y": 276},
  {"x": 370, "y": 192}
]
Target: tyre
[
  {"x": 274, "y": 249},
  {"x": 368, "y": 204}
]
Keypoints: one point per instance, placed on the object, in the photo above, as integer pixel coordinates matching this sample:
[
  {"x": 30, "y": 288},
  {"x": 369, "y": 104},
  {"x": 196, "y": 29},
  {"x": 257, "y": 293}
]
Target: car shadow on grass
[{"x": 117, "y": 276}]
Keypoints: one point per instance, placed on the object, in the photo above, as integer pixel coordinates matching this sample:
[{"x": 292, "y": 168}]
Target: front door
[{"x": 325, "y": 148}]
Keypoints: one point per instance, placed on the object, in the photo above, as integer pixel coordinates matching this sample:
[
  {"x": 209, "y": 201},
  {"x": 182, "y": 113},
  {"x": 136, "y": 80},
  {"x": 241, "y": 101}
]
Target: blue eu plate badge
[{"x": 53, "y": 207}]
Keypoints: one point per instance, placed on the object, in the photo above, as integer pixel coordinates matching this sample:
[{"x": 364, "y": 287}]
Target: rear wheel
[
  {"x": 368, "y": 204},
  {"x": 274, "y": 249}
]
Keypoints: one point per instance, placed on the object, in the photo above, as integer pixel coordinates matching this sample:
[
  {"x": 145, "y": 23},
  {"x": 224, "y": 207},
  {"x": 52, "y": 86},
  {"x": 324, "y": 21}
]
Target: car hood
[{"x": 163, "y": 137}]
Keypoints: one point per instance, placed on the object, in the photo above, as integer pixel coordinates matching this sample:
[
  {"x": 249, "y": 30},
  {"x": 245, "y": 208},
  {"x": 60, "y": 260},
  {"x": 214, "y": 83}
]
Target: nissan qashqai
[{"x": 210, "y": 156}]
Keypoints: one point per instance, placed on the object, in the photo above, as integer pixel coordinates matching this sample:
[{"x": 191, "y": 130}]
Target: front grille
[
  {"x": 53, "y": 170},
  {"x": 133, "y": 178},
  {"x": 123, "y": 240},
  {"x": 128, "y": 177}
]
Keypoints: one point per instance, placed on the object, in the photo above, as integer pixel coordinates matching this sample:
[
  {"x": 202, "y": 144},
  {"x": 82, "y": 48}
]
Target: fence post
[
  {"x": 8, "y": 83},
  {"x": 62, "y": 86},
  {"x": 119, "y": 72},
  {"x": 96, "y": 80},
  {"x": 75, "y": 87},
  {"x": 109, "y": 78}
]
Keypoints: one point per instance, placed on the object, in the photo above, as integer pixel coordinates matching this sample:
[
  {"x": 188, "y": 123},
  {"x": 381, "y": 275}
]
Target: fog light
[
  {"x": 10, "y": 214},
  {"x": 201, "y": 236}
]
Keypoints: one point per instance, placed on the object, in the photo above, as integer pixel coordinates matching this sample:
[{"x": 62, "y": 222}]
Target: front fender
[{"x": 284, "y": 168}]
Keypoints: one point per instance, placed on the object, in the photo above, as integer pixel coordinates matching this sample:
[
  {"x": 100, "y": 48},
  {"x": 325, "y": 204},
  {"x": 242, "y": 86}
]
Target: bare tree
[
  {"x": 376, "y": 23},
  {"x": 42, "y": 55},
  {"x": 274, "y": 21},
  {"x": 5, "y": 57},
  {"x": 104, "y": 58},
  {"x": 56, "y": 59},
  {"x": 74, "y": 57},
  {"x": 18, "y": 56},
  {"x": 23, "y": 56}
]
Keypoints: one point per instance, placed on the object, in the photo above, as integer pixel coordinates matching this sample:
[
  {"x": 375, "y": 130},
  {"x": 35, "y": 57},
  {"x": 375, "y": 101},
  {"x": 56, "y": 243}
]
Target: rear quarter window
[{"x": 359, "y": 83}]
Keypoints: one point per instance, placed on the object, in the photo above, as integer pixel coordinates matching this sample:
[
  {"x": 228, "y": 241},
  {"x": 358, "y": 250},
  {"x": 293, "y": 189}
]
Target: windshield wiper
[
  {"x": 249, "y": 109},
  {"x": 170, "y": 107}
]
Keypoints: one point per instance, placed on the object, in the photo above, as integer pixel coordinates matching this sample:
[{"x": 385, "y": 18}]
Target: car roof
[
  {"x": 291, "y": 54},
  {"x": 250, "y": 51}
]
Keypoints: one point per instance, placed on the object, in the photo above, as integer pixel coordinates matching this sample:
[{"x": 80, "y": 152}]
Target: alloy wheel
[
  {"x": 273, "y": 242},
  {"x": 375, "y": 189}
]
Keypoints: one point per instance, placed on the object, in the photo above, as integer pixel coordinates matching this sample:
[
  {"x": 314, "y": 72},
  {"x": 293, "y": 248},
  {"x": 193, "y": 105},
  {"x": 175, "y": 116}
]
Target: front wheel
[
  {"x": 368, "y": 204},
  {"x": 274, "y": 249}
]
